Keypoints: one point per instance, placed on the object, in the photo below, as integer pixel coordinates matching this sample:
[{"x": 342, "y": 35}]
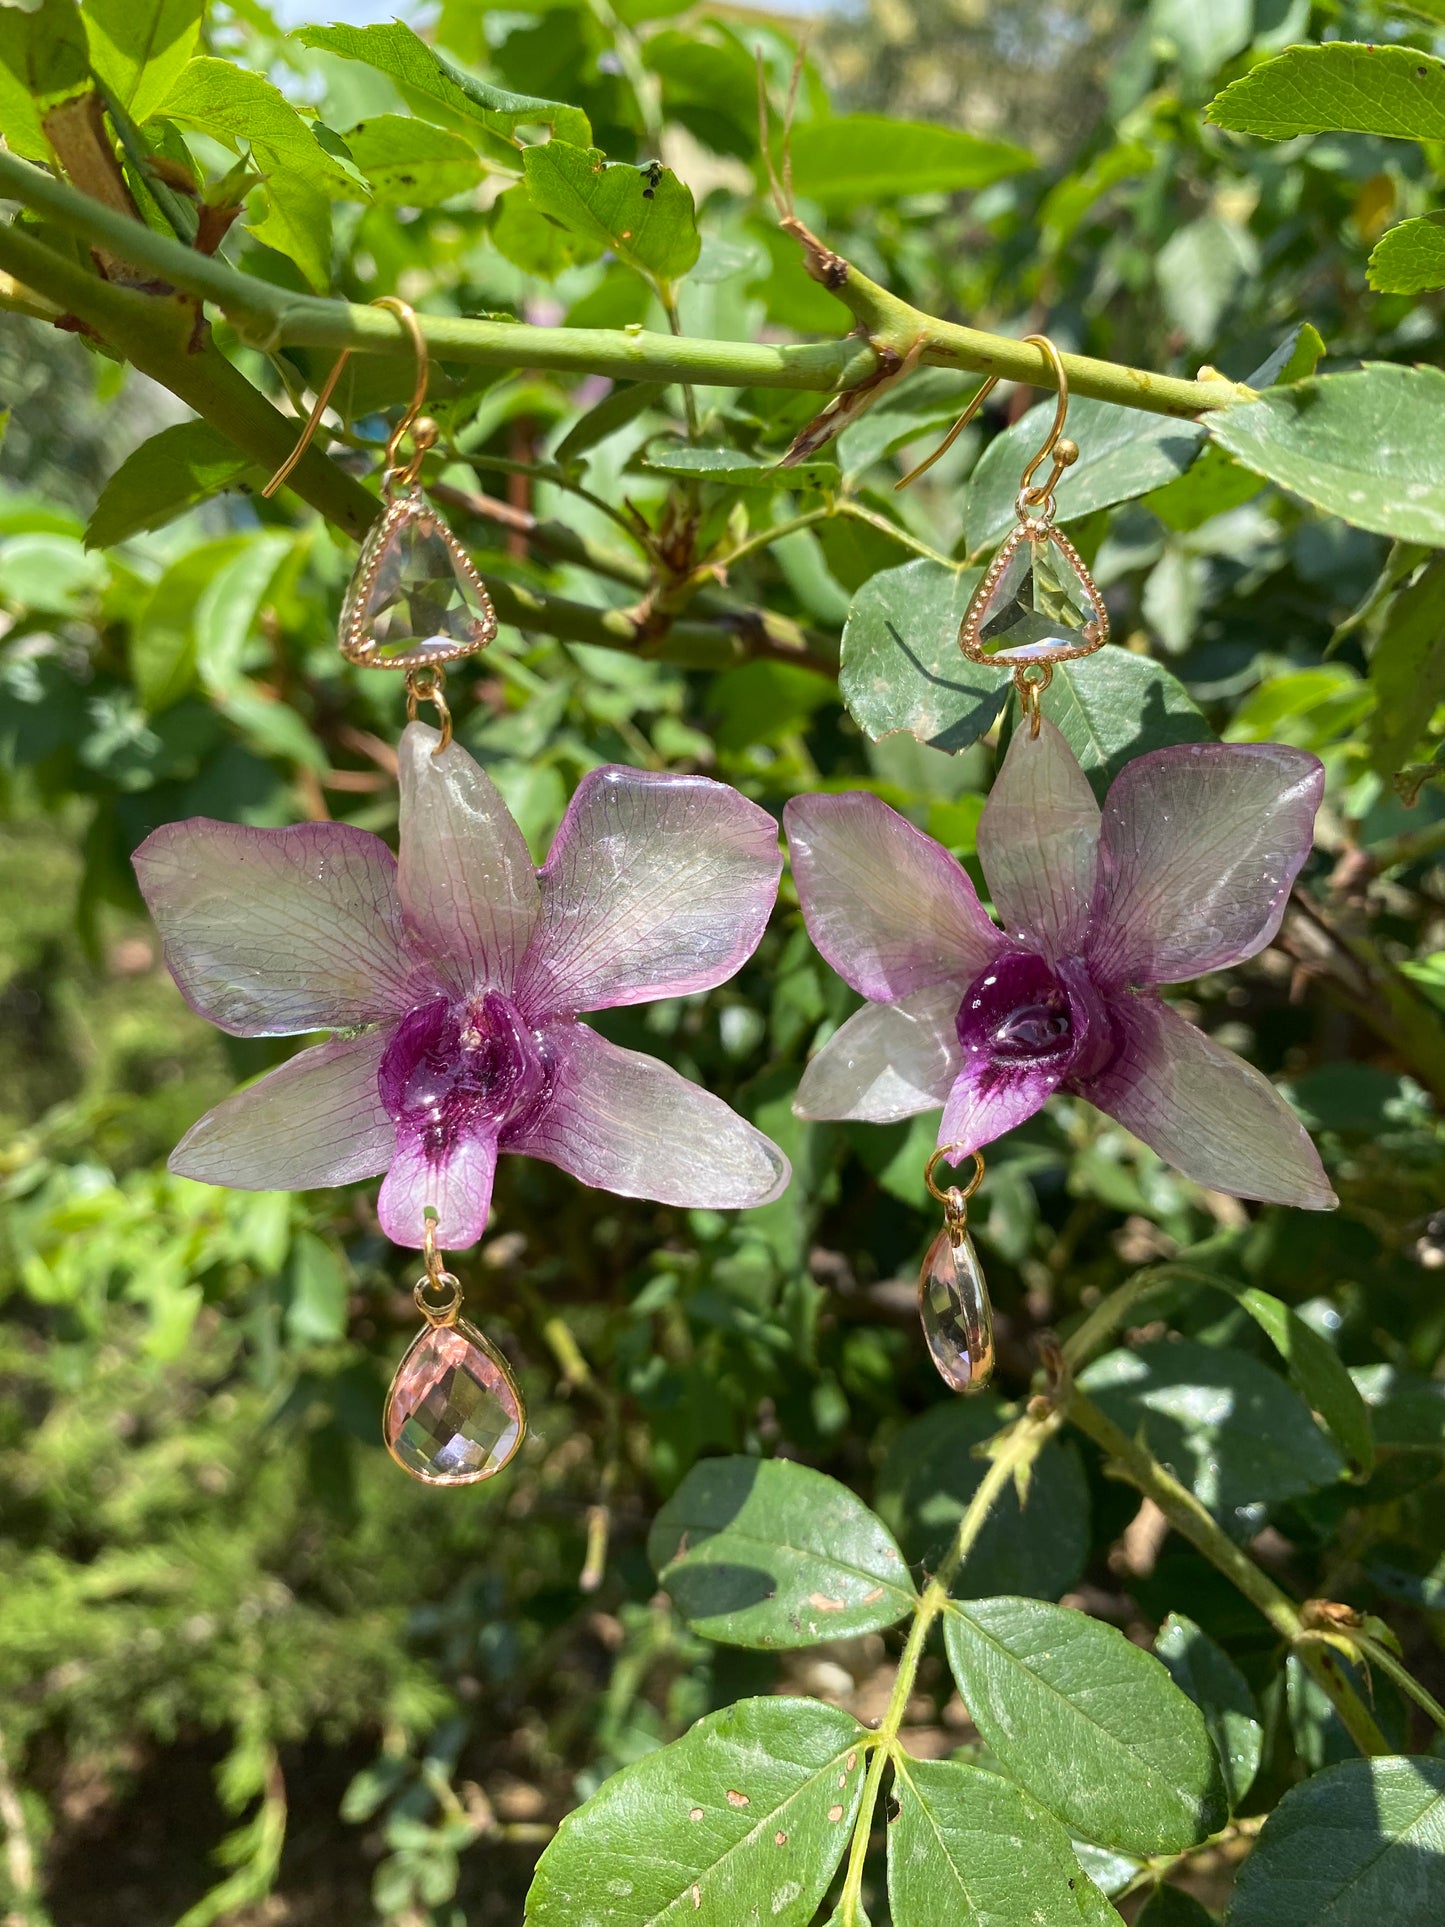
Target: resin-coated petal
[
  {"x": 888, "y": 1061},
  {"x": 455, "y": 1183},
  {"x": 1204, "y": 1110},
  {"x": 317, "y": 1120},
  {"x": 888, "y": 907},
  {"x": 957, "y": 1317},
  {"x": 626, "y": 1123},
  {"x": 1038, "y": 842},
  {"x": 467, "y": 882},
  {"x": 988, "y": 1099},
  {"x": 453, "y": 1415},
  {"x": 656, "y": 886},
  {"x": 1199, "y": 847},
  {"x": 273, "y": 932}
]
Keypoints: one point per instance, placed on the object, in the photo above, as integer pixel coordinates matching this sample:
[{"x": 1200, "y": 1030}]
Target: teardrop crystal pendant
[
  {"x": 415, "y": 599},
  {"x": 1037, "y": 603},
  {"x": 957, "y": 1317},
  {"x": 454, "y": 1415}
]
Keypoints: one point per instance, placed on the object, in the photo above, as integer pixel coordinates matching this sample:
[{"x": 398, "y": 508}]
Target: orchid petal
[
  {"x": 888, "y": 1061},
  {"x": 626, "y": 1123},
  {"x": 1204, "y": 1110},
  {"x": 466, "y": 877},
  {"x": 888, "y": 907},
  {"x": 656, "y": 886},
  {"x": 988, "y": 1099},
  {"x": 1038, "y": 842},
  {"x": 273, "y": 932},
  {"x": 456, "y": 1184},
  {"x": 1199, "y": 848},
  {"x": 315, "y": 1121}
]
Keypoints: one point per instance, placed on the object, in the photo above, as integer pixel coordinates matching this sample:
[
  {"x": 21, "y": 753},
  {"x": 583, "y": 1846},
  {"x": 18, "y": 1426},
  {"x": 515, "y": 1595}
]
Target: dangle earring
[
  {"x": 1037, "y": 604},
  {"x": 953, "y": 1299},
  {"x": 415, "y": 600},
  {"x": 454, "y": 1414}
]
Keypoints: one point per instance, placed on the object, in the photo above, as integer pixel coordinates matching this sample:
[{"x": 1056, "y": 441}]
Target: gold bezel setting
[
  {"x": 1093, "y": 635},
  {"x": 356, "y": 642}
]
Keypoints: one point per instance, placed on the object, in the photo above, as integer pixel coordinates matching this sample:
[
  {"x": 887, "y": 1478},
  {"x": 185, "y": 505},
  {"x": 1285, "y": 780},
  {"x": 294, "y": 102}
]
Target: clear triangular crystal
[
  {"x": 957, "y": 1317},
  {"x": 1037, "y": 607},
  {"x": 454, "y": 1414},
  {"x": 415, "y": 597}
]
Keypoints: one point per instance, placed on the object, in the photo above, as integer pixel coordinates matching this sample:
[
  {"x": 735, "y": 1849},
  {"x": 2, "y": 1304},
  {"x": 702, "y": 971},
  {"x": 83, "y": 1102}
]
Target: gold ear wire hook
[
  {"x": 1064, "y": 452},
  {"x": 412, "y": 413}
]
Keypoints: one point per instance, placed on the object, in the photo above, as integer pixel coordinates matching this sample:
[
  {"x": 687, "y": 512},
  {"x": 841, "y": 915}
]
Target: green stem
[
  {"x": 856, "y": 512},
  {"x": 271, "y": 317},
  {"x": 1381, "y": 1656},
  {"x": 1410, "y": 846},
  {"x": 1013, "y": 1449},
  {"x": 1184, "y": 1512}
]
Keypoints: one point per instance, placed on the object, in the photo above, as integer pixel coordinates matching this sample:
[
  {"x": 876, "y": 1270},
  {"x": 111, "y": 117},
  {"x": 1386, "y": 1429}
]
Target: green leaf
[
  {"x": 1224, "y": 1424},
  {"x": 968, "y": 1849},
  {"x": 533, "y": 241},
  {"x": 1297, "y": 356},
  {"x": 1221, "y": 1692},
  {"x": 163, "y": 636},
  {"x": 1172, "y": 1907},
  {"x": 742, "y": 1819},
  {"x": 901, "y": 665},
  {"x": 1122, "y": 453},
  {"x": 1114, "y": 705},
  {"x": 43, "y": 60},
  {"x": 733, "y": 469},
  {"x": 644, "y": 214},
  {"x": 165, "y": 476},
  {"x": 1340, "y": 87},
  {"x": 930, "y": 1475},
  {"x": 1068, "y": 202},
  {"x": 139, "y": 47},
  {"x": 394, "y": 49},
  {"x": 1410, "y": 259},
  {"x": 241, "y": 109},
  {"x": 765, "y": 1552},
  {"x": 1363, "y": 446},
  {"x": 227, "y": 610},
  {"x": 1358, "y": 1844},
  {"x": 626, "y": 401},
  {"x": 44, "y": 571},
  {"x": 1317, "y": 1373},
  {"x": 1088, "y": 1724},
  {"x": 1210, "y": 486},
  {"x": 849, "y": 158},
  {"x": 1407, "y": 668},
  {"x": 1408, "y": 1410},
  {"x": 410, "y": 163}
]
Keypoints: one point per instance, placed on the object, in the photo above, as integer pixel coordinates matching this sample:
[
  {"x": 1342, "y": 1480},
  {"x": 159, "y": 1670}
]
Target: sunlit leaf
[
  {"x": 1212, "y": 1680},
  {"x": 1341, "y": 86},
  {"x": 644, "y": 214},
  {"x": 850, "y": 158},
  {"x": 410, "y": 163},
  {"x": 168, "y": 474},
  {"x": 139, "y": 47}
]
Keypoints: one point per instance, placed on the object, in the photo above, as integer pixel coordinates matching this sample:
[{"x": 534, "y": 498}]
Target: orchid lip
[
  {"x": 1018, "y": 1012},
  {"x": 453, "y": 1069}
]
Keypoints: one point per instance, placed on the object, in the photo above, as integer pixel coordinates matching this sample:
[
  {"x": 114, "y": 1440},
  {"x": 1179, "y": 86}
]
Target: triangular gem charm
[
  {"x": 1037, "y": 603},
  {"x": 415, "y": 598}
]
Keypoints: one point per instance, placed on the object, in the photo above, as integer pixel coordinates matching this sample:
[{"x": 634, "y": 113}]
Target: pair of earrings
[{"x": 454, "y": 974}]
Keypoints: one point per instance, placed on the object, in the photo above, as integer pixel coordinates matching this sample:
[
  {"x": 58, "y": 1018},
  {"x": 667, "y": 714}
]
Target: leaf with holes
[
  {"x": 742, "y": 1819},
  {"x": 1221, "y": 1692},
  {"x": 409, "y": 163},
  {"x": 1338, "y": 88},
  {"x": 1088, "y": 1724},
  {"x": 967, "y": 1848},
  {"x": 1360, "y": 1843},
  {"x": 644, "y": 214},
  {"x": 765, "y": 1552}
]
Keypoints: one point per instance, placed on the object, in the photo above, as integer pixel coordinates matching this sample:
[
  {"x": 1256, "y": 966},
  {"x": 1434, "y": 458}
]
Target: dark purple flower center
[
  {"x": 1017, "y": 1012},
  {"x": 453, "y": 1070}
]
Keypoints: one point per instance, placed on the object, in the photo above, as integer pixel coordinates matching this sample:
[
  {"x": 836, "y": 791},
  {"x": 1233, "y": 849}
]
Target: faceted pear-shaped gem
[
  {"x": 1036, "y": 604},
  {"x": 454, "y": 1414},
  {"x": 415, "y": 598},
  {"x": 957, "y": 1317}
]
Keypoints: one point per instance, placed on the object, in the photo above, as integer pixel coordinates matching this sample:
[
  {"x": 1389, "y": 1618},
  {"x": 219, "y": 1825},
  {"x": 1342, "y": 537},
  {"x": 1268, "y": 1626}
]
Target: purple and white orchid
[
  {"x": 1185, "y": 870},
  {"x": 453, "y": 977}
]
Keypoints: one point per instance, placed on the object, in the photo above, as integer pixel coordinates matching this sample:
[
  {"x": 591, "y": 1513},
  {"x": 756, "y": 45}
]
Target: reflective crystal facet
[
  {"x": 957, "y": 1317},
  {"x": 1039, "y": 607},
  {"x": 418, "y": 594},
  {"x": 453, "y": 1415}
]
